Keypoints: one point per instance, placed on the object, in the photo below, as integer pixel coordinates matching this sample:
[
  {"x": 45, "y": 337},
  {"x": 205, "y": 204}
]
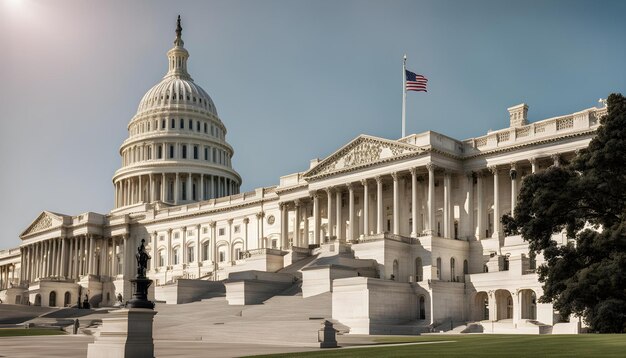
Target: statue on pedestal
[{"x": 141, "y": 283}]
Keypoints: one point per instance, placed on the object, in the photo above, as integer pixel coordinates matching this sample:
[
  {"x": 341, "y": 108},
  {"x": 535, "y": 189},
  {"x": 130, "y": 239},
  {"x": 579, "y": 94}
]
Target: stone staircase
[{"x": 285, "y": 319}]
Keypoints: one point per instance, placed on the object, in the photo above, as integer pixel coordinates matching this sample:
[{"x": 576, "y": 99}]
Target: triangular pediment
[
  {"x": 44, "y": 221},
  {"x": 362, "y": 151}
]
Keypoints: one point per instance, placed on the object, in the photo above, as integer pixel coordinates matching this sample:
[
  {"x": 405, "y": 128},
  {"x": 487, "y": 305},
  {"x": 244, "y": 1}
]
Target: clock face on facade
[{"x": 270, "y": 219}]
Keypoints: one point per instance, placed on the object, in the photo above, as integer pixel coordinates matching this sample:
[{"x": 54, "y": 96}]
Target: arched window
[
  {"x": 419, "y": 270},
  {"x": 465, "y": 267},
  {"x": 173, "y": 125},
  {"x": 485, "y": 268},
  {"x": 175, "y": 256},
  {"x": 160, "y": 152},
  {"x": 190, "y": 125},
  {"x": 439, "y": 268},
  {"x": 452, "y": 269},
  {"x": 163, "y": 124},
  {"x": 205, "y": 251},
  {"x": 37, "y": 300},
  {"x": 190, "y": 253},
  {"x": 184, "y": 151},
  {"x": 67, "y": 299},
  {"x": 198, "y": 126},
  {"x": 52, "y": 302},
  {"x": 182, "y": 123},
  {"x": 161, "y": 261},
  {"x": 195, "y": 152}
]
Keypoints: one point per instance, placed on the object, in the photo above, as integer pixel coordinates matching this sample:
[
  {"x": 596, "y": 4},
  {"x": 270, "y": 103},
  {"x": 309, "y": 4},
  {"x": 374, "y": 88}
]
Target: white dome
[{"x": 173, "y": 92}]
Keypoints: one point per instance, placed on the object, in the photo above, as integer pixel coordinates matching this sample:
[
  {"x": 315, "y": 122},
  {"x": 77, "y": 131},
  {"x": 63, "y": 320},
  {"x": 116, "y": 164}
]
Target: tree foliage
[{"x": 586, "y": 200}]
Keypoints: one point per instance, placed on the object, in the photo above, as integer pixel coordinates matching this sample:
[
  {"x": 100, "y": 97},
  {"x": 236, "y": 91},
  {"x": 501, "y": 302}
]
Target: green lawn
[
  {"x": 588, "y": 345},
  {"x": 13, "y": 332}
]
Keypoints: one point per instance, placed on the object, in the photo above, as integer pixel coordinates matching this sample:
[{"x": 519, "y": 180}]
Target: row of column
[
  {"x": 300, "y": 207},
  {"x": 160, "y": 152},
  {"x": 7, "y": 275},
  {"x": 150, "y": 188},
  {"x": 73, "y": 257}
]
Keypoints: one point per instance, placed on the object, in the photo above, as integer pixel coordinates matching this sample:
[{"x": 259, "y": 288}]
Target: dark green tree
[{"x": 586, "y": 199}]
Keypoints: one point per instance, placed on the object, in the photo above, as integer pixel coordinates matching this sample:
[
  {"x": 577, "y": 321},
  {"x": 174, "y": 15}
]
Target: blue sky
[{"x": 292, "y": 80}]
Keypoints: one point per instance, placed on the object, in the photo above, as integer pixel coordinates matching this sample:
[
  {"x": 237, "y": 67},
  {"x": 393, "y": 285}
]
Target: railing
[
  {"x": 580, "y": 121},
  {"x": 263, "y": 251},
  {"x": 300, "y": 250},
  {"x": 388, "y": 236}
]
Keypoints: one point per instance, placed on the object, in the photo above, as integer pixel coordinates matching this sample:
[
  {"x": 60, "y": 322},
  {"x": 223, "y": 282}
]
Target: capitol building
[{"x": 402, "y": 235}]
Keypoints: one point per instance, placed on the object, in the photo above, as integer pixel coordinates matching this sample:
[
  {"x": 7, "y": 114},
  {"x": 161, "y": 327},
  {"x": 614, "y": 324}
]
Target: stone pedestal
[{"x": 125, "y": 333}]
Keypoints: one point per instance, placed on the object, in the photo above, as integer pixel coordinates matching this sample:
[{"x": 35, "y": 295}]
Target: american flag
[{"x": 415, "y": 82}]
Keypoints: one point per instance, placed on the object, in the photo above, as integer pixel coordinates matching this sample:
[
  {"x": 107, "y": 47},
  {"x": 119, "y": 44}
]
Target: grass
[
  {"x": 14, "y": 332},
  {"x": 588, "y": 345}
]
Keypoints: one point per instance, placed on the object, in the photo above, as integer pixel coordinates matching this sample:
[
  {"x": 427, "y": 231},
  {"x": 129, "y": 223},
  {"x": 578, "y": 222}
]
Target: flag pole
[{"x": 404, "y": 97}]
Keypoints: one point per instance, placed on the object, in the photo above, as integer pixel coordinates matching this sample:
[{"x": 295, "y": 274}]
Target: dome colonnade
[{"x": 176, "y": 151}]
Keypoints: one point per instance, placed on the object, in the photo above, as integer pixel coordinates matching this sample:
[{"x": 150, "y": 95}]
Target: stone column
[
  {"x": 169, "y": 247},
  {"x": 189, "y": 187},
  {"x": 246, "y": 221},
  {"x": 446, "y": 205},
  {"x": 533, "y": 164},
  {"x": 155, "y": 251},
  {"x": 92, "y": 252},
  {"x": 76, "y": 257},
  {"x": 125, "y": 259},
  {"x": 176, "y": 188},
  {"x": 431, "y": 198},
  {"x": 379, "y": 205},
  {"x": 480, "y": 193},
  {"x": 340, "y": 231},
  {"x": 351, "y": 221},
  {"x": 113, "y": 272},
  {"x": 329, "y": 210},
  {"x": 201, "y": 187},
  {"x": 366, "y": 211},
  {"x": 54, "y": 258},
  {"x": 413, "y": 202},
  {"x": 152, "y": 189},
  {"x": 212, "y": 187},
  {"x": 305, "y": 236},
  {"x": 316, "y": 218},
  {"x": 513, "y": 175},
  {"x": 163, "y": 188},
  {"x": 259, "y": 230},
  {"x": 496, "y": 202},
  {"x": 396, "y": 205},
  {"x": 296, "y": 224},
  {"x": 213, "y": 243},
  {"x": 184, "y": 245},
  {"x": 140, "y": 198},
  {"x": 470, "y": 205},
  {"x": 284, "y": 225}
]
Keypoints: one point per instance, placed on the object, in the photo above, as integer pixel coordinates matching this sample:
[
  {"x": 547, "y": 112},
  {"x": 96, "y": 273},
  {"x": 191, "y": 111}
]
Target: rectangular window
[
  {"x": 214, "y": 152},
  {"x": 221, "y": 232},
  {"x": 182, "y": 123},
  {"x": 171, "y": 151},
  {"x": 206, "y": 153},
  {"x": 176, "y": 235},
  {"x": 205, "y": 128},
  {"x": 159, "y": 152},
  {"x": 173, "y": 123},
  {"x": 212, "y": 130},
  {"x": 198, "y": 126},
  {"x": 205, "y": 230},
  {"x": 237, "y": 228},
  {"x": 161, "y": 238},
  {"x": 195, "y": 152},
  {"x": 190, "y": 125},
  {"x": 184, "y": 191},
  {"x": 163, "y": 124},
  {"x": 189, "y": 233},
  {"x": 184, "y": 151}
]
